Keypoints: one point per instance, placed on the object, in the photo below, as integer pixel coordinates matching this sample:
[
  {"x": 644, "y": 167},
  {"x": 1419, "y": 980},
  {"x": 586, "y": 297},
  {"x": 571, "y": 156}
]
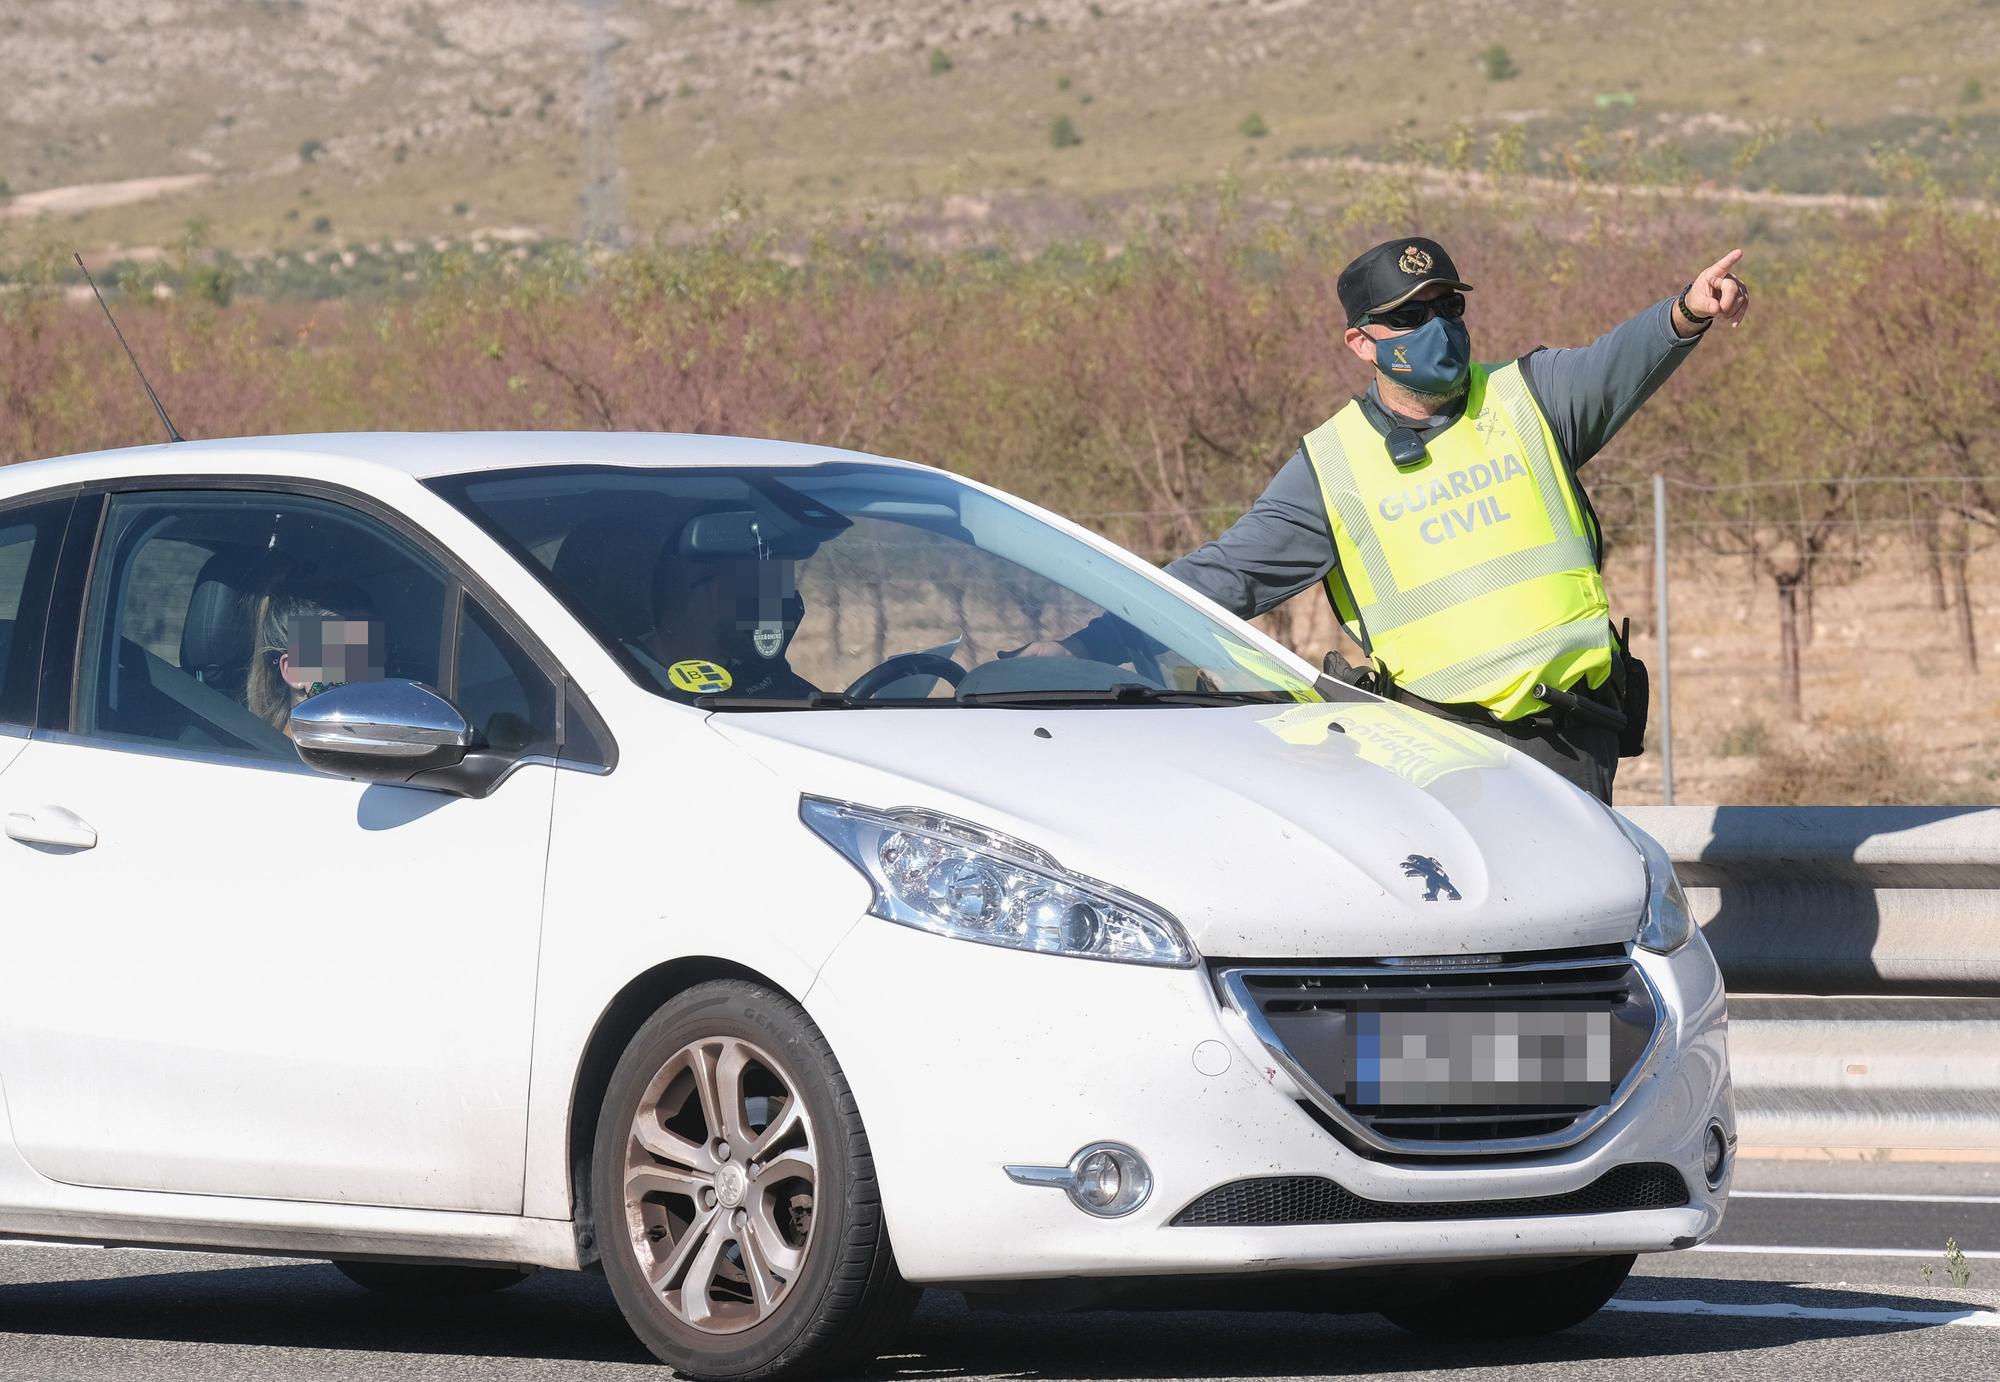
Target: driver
[{"x": 736, "y": 615}]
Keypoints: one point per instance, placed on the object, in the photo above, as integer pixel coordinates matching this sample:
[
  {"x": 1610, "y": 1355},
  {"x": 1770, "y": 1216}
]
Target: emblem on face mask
[
  {"x": 1437, "y": 883},
  {"x": 767, "y": 639},
  {"x": 1414, "y": 261}
]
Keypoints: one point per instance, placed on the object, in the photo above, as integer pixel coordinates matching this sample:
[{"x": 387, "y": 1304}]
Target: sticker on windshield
[{"x": 699, "y": 676}]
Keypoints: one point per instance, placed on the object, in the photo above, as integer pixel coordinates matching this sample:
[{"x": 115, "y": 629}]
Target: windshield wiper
[
  {"x": 818, "y": 700},
  {"x": 1125, "y": 693}
]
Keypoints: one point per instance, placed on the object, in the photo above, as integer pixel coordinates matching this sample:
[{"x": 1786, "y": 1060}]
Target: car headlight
[
  {"x": 953, "y": 878},
  {"x": 1669, "y": 922}
]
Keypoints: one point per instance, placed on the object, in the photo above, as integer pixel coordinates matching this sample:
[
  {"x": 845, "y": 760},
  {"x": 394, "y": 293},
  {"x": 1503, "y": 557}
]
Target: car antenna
[{"x": 165, "y": 421}]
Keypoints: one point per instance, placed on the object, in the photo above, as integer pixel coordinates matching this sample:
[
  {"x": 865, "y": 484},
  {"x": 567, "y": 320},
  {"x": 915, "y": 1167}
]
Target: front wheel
[
  {"x": 1516, "y": 1307},
  {"x": 742, "y": 1234}
]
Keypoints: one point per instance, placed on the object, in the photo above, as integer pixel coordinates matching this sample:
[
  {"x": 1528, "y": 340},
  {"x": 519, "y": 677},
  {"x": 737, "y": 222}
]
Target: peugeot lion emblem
[{"x": 1437, "y": 883}]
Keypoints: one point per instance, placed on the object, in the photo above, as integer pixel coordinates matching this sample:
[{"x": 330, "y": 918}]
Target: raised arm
[{"x": 1589, "y": 391}]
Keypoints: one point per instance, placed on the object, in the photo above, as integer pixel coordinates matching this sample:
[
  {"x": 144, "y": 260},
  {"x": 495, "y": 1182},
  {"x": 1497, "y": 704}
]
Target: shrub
[
  {"x": 1253, "y": 126},
  {"x": 1498, "y": 64},
  {"x": 1972, "y": 92},
  {"x": 310, "y": 151},
  {"x": 1852, "y": 770},
  {"x": 212, "y": 283},
  {"x": 940, "y": 62},
  {"x": 1062, "y": 133},
  {"x": 1746, "y": 740},
  {"x": 322, "y": 225},
  {"x": 1062, "y": 82}
]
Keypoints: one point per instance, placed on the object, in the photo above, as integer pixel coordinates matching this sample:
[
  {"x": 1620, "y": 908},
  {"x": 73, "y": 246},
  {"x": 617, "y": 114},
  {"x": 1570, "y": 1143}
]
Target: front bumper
[{"x": 966, "y": 1059}]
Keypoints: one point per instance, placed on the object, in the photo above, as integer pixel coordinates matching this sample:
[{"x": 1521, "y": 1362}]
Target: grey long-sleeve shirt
[{"x": 1283, "y": 544}]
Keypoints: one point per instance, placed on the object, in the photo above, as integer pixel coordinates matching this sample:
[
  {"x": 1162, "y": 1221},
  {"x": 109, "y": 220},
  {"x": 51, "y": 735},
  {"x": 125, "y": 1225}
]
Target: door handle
[{"x": 51, "y": 825}]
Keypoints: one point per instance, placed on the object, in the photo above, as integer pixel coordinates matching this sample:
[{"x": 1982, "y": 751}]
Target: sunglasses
[{"x": 1414, "y": 314}]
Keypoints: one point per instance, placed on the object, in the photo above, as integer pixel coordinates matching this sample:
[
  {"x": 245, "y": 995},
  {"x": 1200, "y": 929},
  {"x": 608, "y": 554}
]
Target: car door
[{"x": 226, "y": 973}]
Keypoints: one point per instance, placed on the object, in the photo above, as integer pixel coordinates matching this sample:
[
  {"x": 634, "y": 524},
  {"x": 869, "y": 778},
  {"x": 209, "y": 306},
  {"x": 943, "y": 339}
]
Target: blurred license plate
[{"x": 1441, "y": 1057}]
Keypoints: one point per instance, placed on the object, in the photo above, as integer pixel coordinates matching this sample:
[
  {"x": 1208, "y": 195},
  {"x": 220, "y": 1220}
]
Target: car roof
[{"x": 356, "y": 457}]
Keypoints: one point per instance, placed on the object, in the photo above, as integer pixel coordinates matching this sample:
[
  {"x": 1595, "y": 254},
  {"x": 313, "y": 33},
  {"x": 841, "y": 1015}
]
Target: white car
[{"x": 697, "y": 859}]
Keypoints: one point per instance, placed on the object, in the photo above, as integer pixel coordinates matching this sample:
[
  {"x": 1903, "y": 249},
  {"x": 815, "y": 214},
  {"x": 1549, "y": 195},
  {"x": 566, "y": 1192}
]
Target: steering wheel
[{"x": 871, "y": 682}]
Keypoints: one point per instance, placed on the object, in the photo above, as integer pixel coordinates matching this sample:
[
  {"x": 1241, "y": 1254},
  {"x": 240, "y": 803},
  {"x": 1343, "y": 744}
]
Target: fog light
[
  {"x": 1109, "y": 1180},
  {"x": 1715, "y": 1155},
  {"x": 1105, "y": 1179}
]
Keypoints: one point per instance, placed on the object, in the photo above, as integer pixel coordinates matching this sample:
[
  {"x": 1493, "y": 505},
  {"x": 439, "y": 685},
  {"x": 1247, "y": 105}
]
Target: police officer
[{"x": 1442, "y": 510}]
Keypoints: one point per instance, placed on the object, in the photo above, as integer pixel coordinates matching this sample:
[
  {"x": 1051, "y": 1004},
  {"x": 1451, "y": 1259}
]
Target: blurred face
[{"x": 326, "y": 652}]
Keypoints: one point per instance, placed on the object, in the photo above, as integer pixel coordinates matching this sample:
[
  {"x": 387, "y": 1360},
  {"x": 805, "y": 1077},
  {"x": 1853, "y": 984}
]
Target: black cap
[{"x": 1389, "y": 274}]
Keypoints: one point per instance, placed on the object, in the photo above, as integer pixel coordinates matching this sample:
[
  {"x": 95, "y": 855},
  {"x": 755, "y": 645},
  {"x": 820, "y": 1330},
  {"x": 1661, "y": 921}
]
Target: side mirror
[{"x": 398, "y": 732}]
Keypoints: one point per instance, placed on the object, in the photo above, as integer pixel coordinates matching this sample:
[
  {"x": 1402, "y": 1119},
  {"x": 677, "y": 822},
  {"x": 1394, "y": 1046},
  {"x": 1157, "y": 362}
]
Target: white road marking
[
  {"x": 1860, "y": 1195},
  {"x": 1781, "y": 1310},
  {"x": 1802, "y": 1250}
]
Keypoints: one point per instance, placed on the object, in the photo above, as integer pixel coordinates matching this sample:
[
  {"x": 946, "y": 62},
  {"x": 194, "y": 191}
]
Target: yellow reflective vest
[{"x": 1471, "y": 575}]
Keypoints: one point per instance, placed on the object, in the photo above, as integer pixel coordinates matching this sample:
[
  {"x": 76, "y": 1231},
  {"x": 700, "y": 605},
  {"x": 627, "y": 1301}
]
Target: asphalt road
[{"x": 1818, "y": 1273}]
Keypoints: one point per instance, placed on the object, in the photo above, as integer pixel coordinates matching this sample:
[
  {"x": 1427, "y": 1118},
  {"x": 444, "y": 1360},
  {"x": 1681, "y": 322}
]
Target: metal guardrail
[
  {"x": 1895, "y": 909},
  {"x": 1899, "y": 900}
]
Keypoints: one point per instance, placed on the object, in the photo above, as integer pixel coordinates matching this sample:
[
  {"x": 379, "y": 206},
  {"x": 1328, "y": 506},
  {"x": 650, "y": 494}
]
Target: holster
[{"x": 1632, "y": 684}]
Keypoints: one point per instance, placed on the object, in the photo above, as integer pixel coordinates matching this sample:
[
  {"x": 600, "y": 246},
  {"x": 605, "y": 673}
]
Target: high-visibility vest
[{"x": 1471, "y": 575}]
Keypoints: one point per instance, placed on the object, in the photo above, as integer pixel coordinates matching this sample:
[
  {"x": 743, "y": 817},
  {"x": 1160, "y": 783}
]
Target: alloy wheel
[{"x": 720, "y": 1175}]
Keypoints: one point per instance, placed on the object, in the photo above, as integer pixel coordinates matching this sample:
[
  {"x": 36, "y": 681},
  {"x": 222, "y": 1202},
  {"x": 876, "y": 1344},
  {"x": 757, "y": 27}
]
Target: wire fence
[{"x": 1807, "y": 615}]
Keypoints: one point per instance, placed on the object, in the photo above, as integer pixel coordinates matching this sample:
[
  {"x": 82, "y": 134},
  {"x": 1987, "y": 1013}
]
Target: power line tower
[{"x": 604, "y": 186}]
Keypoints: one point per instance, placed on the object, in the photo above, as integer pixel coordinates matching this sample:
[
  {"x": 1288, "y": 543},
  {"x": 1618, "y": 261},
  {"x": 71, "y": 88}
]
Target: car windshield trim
[
  {"x": 1129, "y": 694},
  {"x": 1126, "y": 693}
]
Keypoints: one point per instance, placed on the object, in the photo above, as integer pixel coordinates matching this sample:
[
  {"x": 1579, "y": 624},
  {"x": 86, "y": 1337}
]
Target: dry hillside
[{"x": 378, "y": 117}]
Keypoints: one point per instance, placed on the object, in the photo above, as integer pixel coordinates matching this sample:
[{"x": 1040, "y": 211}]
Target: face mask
[{"x": 1433, "y": 359}]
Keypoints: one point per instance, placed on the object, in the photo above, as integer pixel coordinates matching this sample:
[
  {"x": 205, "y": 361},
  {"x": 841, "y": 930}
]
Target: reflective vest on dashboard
[{"x": 1471, "y": 575}]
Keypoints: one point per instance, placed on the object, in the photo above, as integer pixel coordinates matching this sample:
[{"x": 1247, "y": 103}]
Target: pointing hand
[{"x": 1718, "y": 293}]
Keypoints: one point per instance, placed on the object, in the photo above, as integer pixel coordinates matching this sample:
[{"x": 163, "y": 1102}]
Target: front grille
[
  {"x": 1312, "y": 1017},
  {"x": 1281, "y": 1200}
]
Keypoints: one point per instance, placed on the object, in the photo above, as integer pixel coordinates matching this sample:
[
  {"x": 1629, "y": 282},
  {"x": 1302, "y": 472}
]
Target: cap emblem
[{"x": 1414, "y": 261}]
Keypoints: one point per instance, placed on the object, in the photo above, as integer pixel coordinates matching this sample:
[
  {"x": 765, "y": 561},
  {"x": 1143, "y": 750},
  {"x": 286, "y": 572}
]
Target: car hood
[{"x": 1325, "y": 831}]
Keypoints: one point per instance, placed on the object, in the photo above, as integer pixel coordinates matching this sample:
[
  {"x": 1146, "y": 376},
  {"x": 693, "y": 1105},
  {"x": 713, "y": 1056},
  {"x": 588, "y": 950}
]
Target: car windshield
[{"x": 853, "y": 584}]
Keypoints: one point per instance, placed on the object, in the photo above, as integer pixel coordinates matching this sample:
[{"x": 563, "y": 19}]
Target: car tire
[
  {"x": 1516, "y": 1307},
  {"x": 778, "y": 1268},
  {"x": 429, "y": 1280}
]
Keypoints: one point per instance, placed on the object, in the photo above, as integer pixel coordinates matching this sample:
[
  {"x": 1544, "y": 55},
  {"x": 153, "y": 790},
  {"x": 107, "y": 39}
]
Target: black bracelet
[{"x": 1693, "y": 317}]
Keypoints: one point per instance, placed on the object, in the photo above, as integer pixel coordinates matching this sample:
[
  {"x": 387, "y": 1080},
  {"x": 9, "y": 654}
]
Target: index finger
[{"x": 1723, "y": 265}]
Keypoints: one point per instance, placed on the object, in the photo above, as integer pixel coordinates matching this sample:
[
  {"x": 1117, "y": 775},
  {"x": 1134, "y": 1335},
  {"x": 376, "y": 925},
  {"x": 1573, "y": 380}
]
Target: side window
[
  {"x": 212, "y": 613},
  {"x": 508, "y": 700},
  {"x": 29, "y": 541}
]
